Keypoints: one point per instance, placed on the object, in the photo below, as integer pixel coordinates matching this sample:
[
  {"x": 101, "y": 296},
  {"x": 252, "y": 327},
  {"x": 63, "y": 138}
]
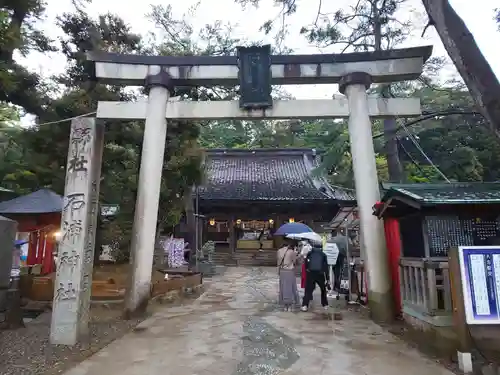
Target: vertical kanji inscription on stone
[{"x": 73, "y": 282}]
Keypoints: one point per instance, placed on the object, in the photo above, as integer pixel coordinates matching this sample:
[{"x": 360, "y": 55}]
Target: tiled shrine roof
[
  {"x": 266, "y": 174},
  {"x": 454, "y": 193},
  {"x": 39, "y": 202}
]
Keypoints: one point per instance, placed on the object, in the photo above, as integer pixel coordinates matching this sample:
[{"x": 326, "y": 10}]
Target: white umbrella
[{"x": 311, "y": 236}]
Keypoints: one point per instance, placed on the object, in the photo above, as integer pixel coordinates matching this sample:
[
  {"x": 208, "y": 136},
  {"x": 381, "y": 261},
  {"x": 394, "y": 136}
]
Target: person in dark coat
[
  {"x": 317, "y": 272},
  {"x": 342, "y": 242}
]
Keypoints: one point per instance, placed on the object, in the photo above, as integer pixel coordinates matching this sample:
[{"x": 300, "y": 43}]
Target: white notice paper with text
[{"x": 332, "y": 253}]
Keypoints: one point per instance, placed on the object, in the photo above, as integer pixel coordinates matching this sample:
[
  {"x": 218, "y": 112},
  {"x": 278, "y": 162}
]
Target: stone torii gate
[{"x": 254, "y": 69}]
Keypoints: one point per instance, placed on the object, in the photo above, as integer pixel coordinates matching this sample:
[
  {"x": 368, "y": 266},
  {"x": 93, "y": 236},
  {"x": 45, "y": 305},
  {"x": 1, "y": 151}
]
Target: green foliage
[
  {"x": 19, "y": 33},
  {"x": 36, "y": 157},
  {"x": 460, "y": 145}
]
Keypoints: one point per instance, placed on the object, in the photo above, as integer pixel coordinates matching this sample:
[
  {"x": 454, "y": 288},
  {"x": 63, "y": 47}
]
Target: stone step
[
  {"x": 256, "y": 254},
  {"x": 222, "y": 251},
  {"x": 256, "y": 249},
  {"x": 264, "y": 259},
  {"x": 254, "y": 263},
  {"x": 245, "y": 257},
  {"x": 255, "y": 258},
  {"x": 223, "y": 259},
  {"x": 221, "y": 255}
]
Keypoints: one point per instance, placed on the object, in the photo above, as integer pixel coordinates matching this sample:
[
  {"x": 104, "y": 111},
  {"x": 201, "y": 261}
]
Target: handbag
[{"x": 282, "y": 260}]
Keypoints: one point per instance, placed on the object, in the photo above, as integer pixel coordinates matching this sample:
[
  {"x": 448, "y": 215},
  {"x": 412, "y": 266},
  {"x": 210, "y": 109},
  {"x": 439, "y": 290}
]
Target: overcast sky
[{"x": 477, "y": 14}]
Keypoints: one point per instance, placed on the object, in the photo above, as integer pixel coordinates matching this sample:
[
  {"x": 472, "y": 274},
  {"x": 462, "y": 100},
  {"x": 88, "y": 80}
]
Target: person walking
[
  {"x": 342, "y": 242},
  {"x": 288, "y": 293},
  {"x": 187, "y": 253},
  {"x": 305, "y": 248},
  {"x": 263, "y": 235},
  {"x": 316, "y": 273}
]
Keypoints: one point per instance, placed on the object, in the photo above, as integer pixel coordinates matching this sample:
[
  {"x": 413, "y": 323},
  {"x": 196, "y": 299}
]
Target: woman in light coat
[{"x": 287, "y": 259}]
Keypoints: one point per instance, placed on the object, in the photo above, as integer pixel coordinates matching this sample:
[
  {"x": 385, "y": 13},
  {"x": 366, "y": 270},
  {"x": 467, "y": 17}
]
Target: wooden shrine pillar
[
  {"x": 232, "y": 235},
  {"x": 48, "y": 257},
  {"x": 33, "y": 241},
  {"x": 40, "y": 247},
  {"x": 200, "y": 226},
  {"x": 276, "y": 225}
]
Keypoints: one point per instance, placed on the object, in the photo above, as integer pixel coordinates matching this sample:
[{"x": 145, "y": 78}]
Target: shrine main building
[{"x": 248, "y": 194}]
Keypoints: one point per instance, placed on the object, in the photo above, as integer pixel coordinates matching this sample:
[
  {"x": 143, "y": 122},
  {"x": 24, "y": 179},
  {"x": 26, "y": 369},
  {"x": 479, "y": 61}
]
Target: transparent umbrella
[{"x": 311, "y": 236}]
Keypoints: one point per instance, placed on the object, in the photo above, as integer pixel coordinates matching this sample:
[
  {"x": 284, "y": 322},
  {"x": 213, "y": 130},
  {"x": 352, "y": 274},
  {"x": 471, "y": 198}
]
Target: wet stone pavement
[{"x": 236, "y": 328}]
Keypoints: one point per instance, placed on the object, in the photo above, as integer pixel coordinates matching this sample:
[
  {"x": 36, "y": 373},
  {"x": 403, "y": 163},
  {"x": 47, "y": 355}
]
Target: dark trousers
[
  {"x": 337, "y": 271},
  {"x": 313, "y": 278}
]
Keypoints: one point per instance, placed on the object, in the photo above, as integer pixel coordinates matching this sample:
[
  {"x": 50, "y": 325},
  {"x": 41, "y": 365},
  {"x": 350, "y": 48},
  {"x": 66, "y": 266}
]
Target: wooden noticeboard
[{"x": 457, "y": 296}]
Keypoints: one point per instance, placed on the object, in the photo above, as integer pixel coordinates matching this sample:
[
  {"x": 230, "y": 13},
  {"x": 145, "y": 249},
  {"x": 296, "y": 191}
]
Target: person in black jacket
[
  {"x": 316, "y": 273},
  {"x": 342, "y": 242}
]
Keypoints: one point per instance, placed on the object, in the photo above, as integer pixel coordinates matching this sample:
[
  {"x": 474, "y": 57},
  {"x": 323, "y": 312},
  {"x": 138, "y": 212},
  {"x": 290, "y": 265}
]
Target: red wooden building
[{"x": 39, "y": 217}]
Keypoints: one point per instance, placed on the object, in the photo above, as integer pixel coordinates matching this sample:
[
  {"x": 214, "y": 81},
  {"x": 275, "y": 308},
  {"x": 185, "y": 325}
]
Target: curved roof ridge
[
  {"x": 265, "y": 174},
  {"x": 39, "y": 202}
]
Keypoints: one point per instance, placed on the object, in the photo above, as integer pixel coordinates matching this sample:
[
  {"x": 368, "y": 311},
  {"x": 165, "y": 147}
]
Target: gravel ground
[{"x": 27, "y": 351}]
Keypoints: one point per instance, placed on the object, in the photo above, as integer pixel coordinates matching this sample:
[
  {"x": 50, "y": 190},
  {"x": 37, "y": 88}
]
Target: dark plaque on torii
[{"x": 254, "y": 65}]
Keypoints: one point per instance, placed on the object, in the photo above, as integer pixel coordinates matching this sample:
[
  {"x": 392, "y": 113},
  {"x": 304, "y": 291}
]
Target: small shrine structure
[
  {"x": 38, "y": 215},
  {"x": 422, "y": 222}
]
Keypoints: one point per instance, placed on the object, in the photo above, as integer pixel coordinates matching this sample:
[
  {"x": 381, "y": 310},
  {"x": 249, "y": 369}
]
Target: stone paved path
[{"x": 235, "y": 328}]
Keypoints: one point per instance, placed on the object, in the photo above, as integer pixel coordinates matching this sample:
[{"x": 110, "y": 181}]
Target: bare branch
[{"x": 319, "y": 12}]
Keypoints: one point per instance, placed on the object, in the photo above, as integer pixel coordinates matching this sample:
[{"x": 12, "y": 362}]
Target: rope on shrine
[
  {"x": 49, "y": 123},
  {"x": 57, "y": 121},
  {"x": 67, "y": 119}
]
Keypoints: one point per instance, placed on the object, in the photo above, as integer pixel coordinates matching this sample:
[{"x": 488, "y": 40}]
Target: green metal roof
[{"x": 454, "y": 193}]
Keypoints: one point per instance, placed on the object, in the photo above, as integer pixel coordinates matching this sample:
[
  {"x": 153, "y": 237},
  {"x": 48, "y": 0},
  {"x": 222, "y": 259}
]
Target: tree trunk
[
  {"x": 477, "y": 74},
  {"x": 190, "y": 221},
  {"x": 394, "y": 166}
]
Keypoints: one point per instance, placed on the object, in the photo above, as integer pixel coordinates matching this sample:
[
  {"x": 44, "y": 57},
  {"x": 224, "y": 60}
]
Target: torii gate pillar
[
  {"x": 158, "y": 83},
  {"x": 354, "y": 86}
]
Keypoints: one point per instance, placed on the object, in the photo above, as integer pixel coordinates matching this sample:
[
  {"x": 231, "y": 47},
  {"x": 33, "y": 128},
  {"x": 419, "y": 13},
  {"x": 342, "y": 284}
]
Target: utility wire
[
  {"x": 419, "y": 148},
  {"x": 414, "y": 140},
  {"x": 428, "y": 116},
  {"x": 407, "y": 153}
]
